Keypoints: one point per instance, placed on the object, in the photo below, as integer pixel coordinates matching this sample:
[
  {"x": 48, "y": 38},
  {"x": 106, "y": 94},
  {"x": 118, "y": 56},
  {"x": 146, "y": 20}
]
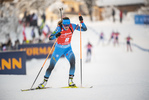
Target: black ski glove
[
  {"x": 58, "y": 34},
  {"x": 81, "y": 18}
]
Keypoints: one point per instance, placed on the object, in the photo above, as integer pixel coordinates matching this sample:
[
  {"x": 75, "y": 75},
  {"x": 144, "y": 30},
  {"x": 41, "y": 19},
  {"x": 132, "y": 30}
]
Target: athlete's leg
[
  {"x": 54, "y": 58},
  {"x": 71, "y": 58}
]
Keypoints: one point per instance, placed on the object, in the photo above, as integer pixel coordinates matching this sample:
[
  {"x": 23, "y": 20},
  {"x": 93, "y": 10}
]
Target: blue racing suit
[{"x": 65, "y": 48}]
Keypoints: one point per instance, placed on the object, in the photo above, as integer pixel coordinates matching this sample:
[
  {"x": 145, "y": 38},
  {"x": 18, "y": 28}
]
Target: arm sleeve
[
  {"x": 77, "y": 27},
  {"x": 53, "y": 35}
]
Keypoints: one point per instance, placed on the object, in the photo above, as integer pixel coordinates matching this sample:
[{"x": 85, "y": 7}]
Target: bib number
[{"x": 67, "y": 39}]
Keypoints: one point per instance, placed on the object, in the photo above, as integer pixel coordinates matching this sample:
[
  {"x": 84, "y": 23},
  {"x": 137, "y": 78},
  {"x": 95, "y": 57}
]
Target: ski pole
[
  {"x": 48, "y": 54},
  {"x": 43, "y": 64},
  {"x": 61, "y": 12},
  {"x": 80, "y": 53}
]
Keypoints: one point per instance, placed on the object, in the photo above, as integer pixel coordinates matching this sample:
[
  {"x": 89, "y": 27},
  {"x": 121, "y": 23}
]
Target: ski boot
[
  {"x": 43, "y": 84},
  {"x": 70, "y": 81}
]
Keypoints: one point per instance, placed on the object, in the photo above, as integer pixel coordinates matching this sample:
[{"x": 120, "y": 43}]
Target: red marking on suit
[
  {"x": 89, "y": 46},
  {"x": 128, "y": 38},
  {"x": 65, "y": 37}
]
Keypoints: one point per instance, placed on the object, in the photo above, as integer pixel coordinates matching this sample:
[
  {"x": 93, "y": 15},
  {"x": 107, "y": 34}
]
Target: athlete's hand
[
  {"x": 50, "y": 37},
  {"x": 81, "y": 18},
  {"x": 58, "y": 34}
]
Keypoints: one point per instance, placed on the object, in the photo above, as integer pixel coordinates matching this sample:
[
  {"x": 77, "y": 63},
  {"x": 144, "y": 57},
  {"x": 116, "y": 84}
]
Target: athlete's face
[{"x": 66, "y": 27}]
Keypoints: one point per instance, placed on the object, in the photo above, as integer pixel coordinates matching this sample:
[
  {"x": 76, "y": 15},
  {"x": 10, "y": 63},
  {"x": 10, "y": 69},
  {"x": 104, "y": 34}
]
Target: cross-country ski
[{"x": 32, "y": 89}]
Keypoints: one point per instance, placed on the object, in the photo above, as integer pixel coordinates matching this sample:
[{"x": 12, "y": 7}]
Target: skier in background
[
  {"x": 63, "y": 33},
  {"x": 111, "y": 37},
  {"x": 89, "y": 52},
  {"x": 116, "y": 38},
  {"x": 101, "y": 38},
  {"x": 128, "y": 43}
]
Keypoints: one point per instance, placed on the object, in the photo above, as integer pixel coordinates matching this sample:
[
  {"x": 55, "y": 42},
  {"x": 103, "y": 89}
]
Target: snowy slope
[{"x": 114, "y": 73}]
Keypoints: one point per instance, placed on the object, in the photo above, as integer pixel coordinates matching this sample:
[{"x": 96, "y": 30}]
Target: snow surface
[{"x": 114, "y": 73}]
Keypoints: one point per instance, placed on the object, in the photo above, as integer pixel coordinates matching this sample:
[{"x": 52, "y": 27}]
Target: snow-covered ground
[{"x": 114, "y": 73}]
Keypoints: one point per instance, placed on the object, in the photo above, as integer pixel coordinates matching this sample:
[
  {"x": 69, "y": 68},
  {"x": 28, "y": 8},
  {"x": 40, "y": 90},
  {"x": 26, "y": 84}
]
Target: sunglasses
[{"x": 66, "y": 25}]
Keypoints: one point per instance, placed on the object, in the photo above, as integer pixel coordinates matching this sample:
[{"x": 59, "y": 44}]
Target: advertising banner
[
  {"x": 141, "y": 19},
  {"x": 13, "y": 62},
  {"x": 37, "y": 50}
]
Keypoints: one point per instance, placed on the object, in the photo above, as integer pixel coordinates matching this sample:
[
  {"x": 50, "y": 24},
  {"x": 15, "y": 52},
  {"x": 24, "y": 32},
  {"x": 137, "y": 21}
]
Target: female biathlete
[
  {"x": 128, "y": 43},
  {"x": 63, "y": 33}
]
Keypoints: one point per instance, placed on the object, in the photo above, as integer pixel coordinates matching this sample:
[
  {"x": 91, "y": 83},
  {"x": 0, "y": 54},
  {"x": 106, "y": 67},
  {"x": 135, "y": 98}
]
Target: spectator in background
[
  {"x": 0, "y": 46},
  {"x": 113, "y": 14},
  {"x": 17, "y": 42},
  {"x": 121, "y": 16},
  {"x": 33, "y": 33},
  {"x": 4, "y": 47},
  {"x": 40, "y": 28},
  {"x": 34, "y": 19},
  {"x": 46, "y": 31},
  {"x": 24, "y": 35},
  {"x": 28, "y": 20},
  {"x": 24, "y": 17},
  {"x": 9, "y": 45},
  {"x": 43, "y": 17}
]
